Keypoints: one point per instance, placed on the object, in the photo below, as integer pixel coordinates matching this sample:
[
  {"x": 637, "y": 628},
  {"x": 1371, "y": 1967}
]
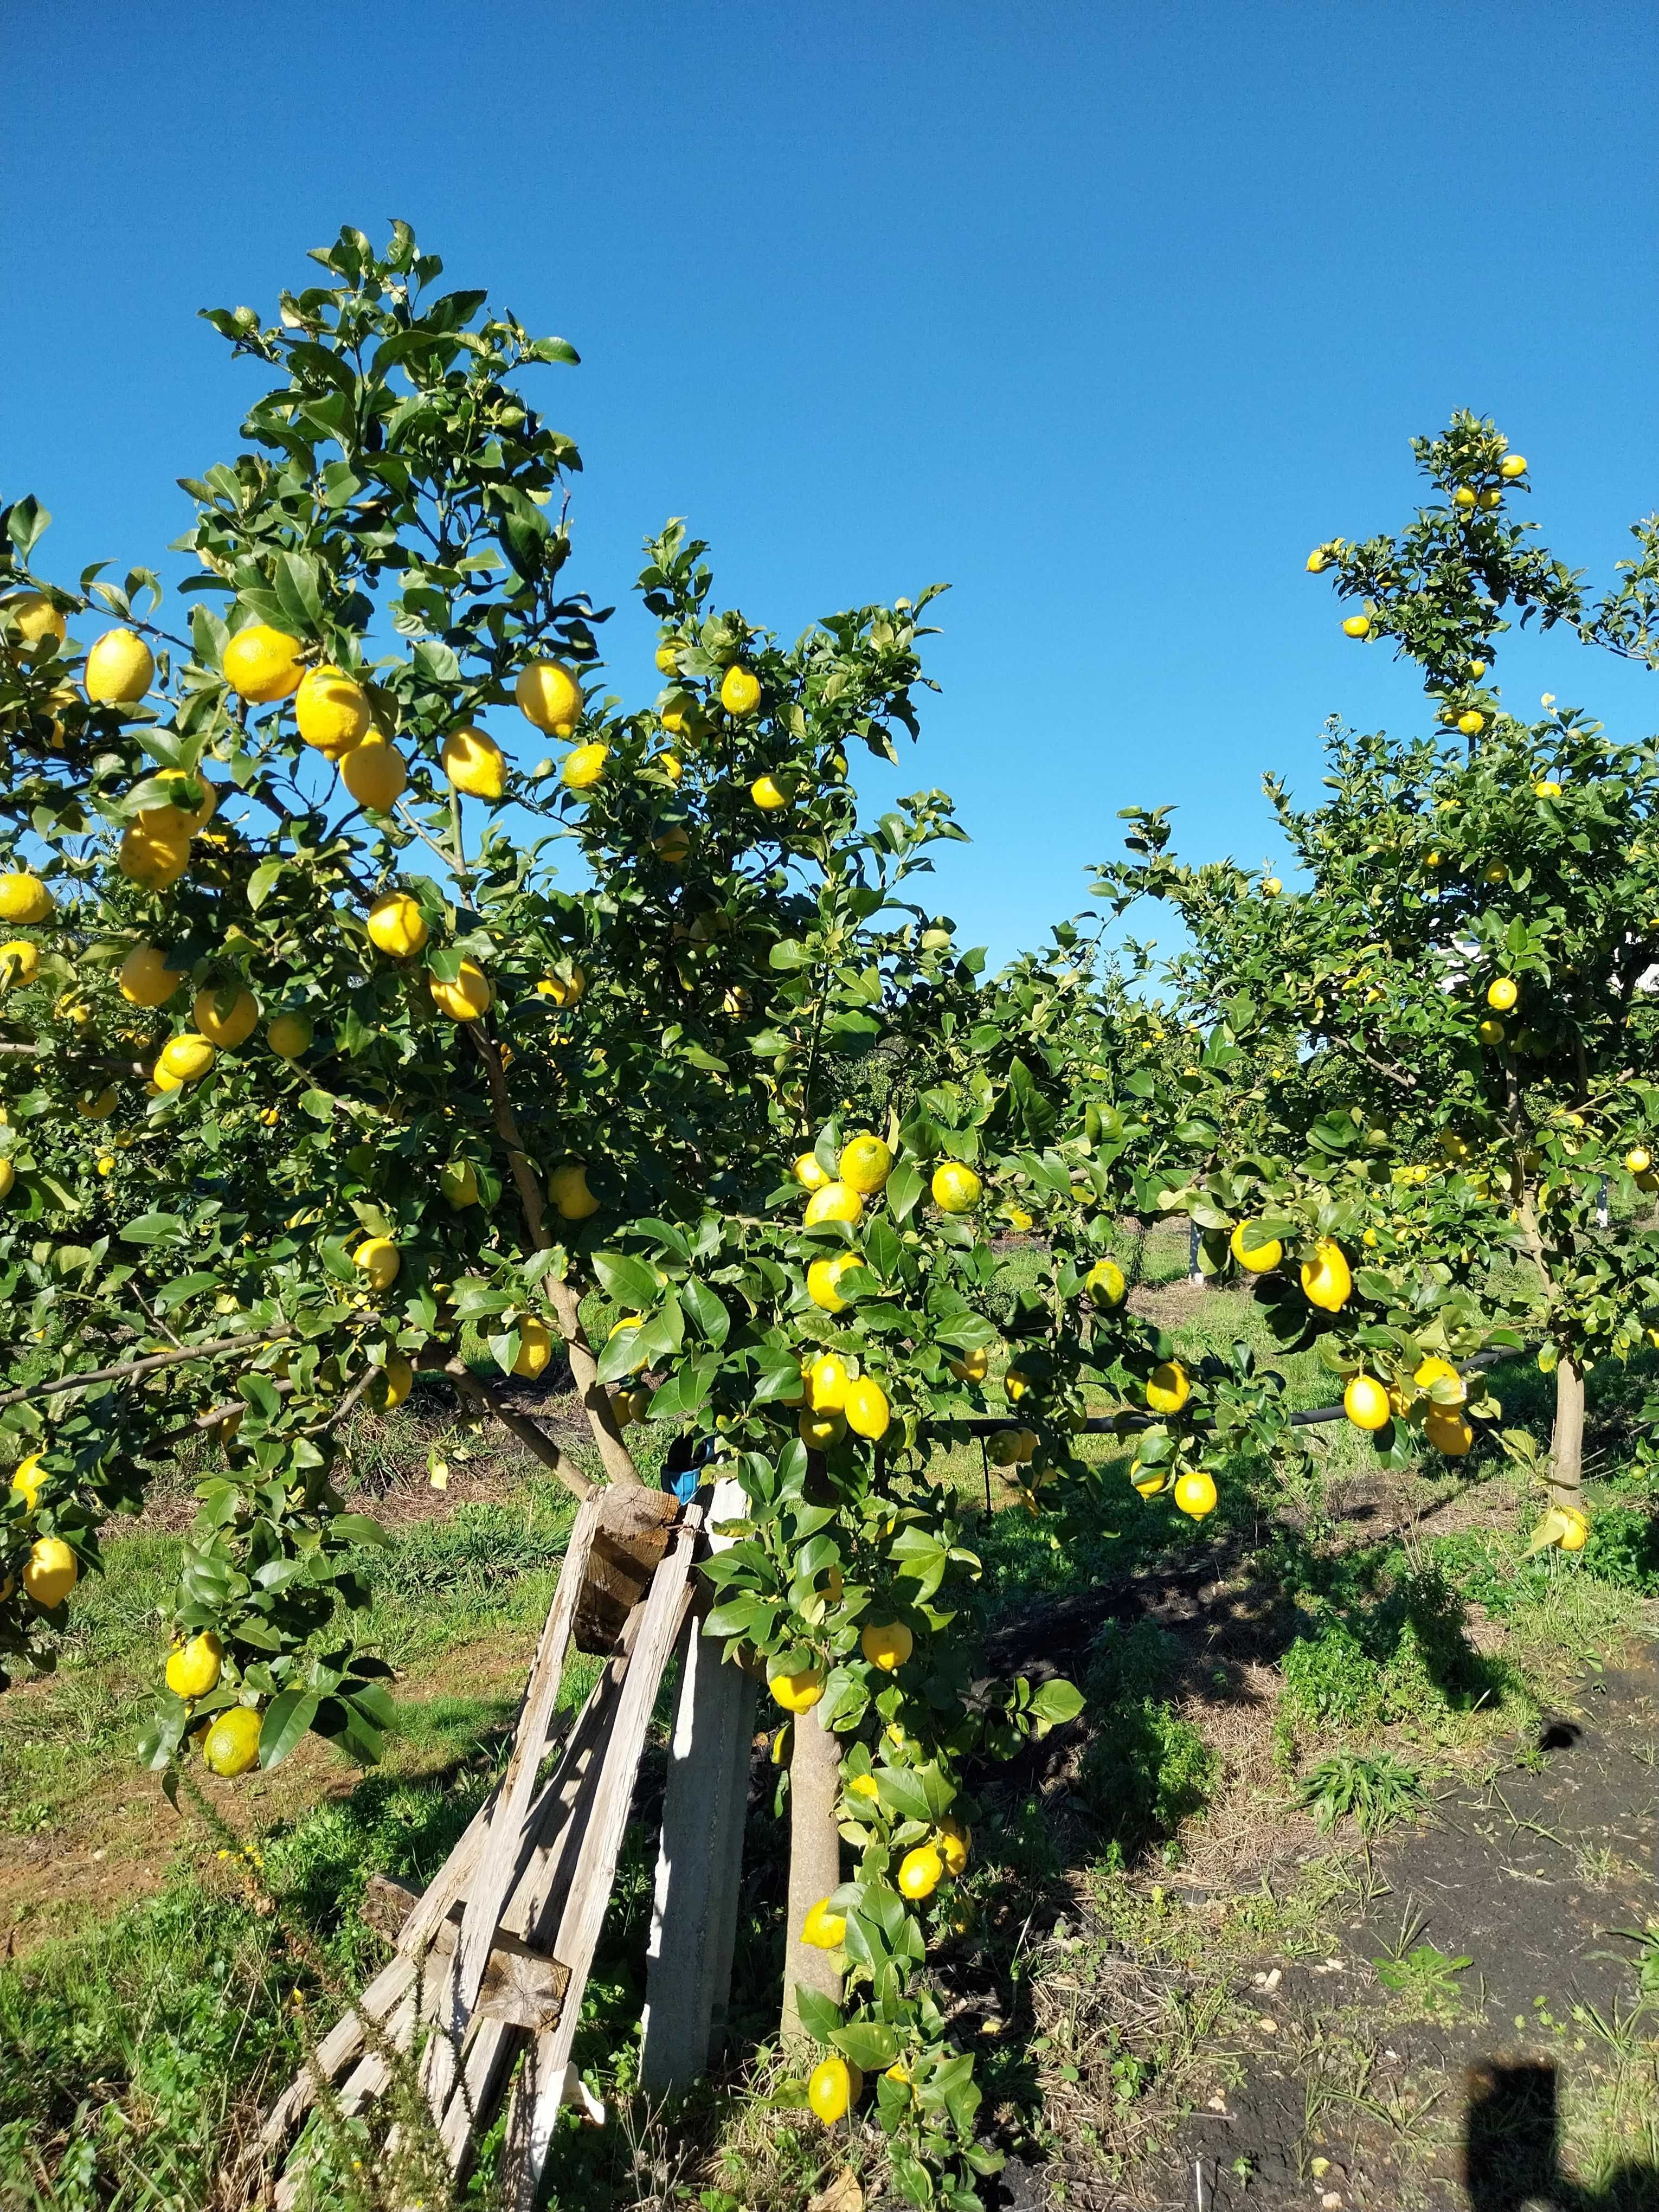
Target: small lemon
[
  {"x": 119, "y": 669},
  {"x": 475, "y": 764},
  {"x": 333, "y": 711},
  {"x": 263, "y": 664},
  {"x": 397, "y": 925},
  {"x": 231, "y": 1746},
  {"x": 739, "y": 692},
  {"x": 955, "y": 1188},
  {"x": 549, "y": 695},
  {"x": 887, "y": 1646}
]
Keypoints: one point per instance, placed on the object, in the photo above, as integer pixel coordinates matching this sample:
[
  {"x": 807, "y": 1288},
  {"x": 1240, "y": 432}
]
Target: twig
[{"x": 220, "y": 1348}]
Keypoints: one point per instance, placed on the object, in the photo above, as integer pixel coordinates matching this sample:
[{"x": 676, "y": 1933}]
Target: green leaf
[
  {"x": 1057, "y": 1702},
  {"x": 288, "y": 1721},
  {"x": 153, "y": 1229},
  {"x": 821, "y": 2019},
  {"x": 870, "y": 2044},
  {"x": 628, "y": 1281}
]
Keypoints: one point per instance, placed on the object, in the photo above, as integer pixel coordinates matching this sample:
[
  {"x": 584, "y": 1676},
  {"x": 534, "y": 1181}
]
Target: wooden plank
[
  {"x": 532, "y": 1910},
  {"x": 694, "y": 1919},
  {"x": 500, "y": 1859},
  {"x": 541, "y": 2085}
]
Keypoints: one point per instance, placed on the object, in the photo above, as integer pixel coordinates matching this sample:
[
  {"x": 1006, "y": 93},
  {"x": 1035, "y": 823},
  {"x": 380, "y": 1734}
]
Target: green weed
[{"x": 1373, "y": 1790}]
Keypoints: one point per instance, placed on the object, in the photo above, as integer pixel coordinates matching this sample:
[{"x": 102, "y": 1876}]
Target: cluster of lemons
[
  {"x": 1468, "y": 500},
  {"x": 50, "y": 1569},
  {"x": 861, "y": 1173}
]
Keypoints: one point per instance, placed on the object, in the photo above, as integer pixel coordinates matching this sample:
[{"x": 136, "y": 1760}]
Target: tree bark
[
  {"x": 814, "y": 1863},
  {"x": 1567, "y": 1446}
]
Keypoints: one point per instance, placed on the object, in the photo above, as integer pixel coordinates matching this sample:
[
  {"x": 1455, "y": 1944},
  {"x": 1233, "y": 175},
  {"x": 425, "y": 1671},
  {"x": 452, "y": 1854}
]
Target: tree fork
[{"x": 566, "y": 1305}]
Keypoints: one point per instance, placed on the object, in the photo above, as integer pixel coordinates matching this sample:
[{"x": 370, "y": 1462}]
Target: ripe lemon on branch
[
  {"x": 231, "y": 1746},
  {"x": 263, "y": 664},
  {"x": 193, "y": 1669},
  {"x": 550, "y": 696},
  {"x": 396, "y": 926},
  {"x": 468, "y": 998},
  {"x": 1326, "y": 1279},
  {"x": 333, "y": 711},
  {"x": 373, "y": 773},
  {"x": 1258, "y": 1253},
  {"x": 119, "y": 669},
  {"x": 475, "y": 764},
  {"x": 24, "y": 897}
]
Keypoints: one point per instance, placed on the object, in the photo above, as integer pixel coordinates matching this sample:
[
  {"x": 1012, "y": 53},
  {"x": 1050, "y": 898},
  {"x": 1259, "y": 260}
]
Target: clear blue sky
[{"x": 1105, "y": 314}]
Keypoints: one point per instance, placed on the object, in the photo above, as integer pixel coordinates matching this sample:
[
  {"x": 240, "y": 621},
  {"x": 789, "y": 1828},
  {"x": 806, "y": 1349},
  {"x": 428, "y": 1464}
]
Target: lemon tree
[
  {"x": 1459, "y": 990},
  {"x": 385, "y": 992}
]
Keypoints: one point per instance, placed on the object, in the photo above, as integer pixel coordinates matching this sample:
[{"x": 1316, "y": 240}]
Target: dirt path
[{"x": 1508, "y": 2067}]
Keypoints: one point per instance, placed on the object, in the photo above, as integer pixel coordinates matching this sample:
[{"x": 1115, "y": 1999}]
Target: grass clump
[{"x": 1148, "y": 1768}]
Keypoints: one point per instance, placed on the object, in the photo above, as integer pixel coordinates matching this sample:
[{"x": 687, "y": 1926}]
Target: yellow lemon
[
  {"x": 1015, "y": 1384},
  {"x": 671, "y": 765},
  {"x": 1327, "y": 1280},
  {"x": 24, "y": 897},
  {"x": 1104, "y": 1283},
  {"x": 823, "y": 1930},
  {"x": 1168, "y": 1388},
  {"x": 1356, "y": 626},
  {"x": 193, "y": 1669},
  {"x": 174, "y": 824},
  {"x": 667, "y": 658},
  {"x": 826, "y": 1383},
  {"x": 119, "y": 669},
  {"x": 231, "y": 1746},
  {"x": 955, "y": 1188},
  {"x": 475, "y": 764},
  {"x": 378, "y": 1260},
  {"x": 865, "y": 1786},
  {"x": 1511, "y": 466},
  {"x": 819, "y": 1431},
  {"x": 373, "y": 773},
  {"x": 887, "y": 1646},
  {"x": 1448, "y": 1430},
  {"x": 867, "y": 1411},
  {"x": 145, "y": 979},
  {"x": 458, "y": 1181},
  {"x": 33, "y": 615},
  {"x": 563, "y": 991},
  {"x": 1434, "y": 1369},
  {"x": 953, "y": 1843},
  {"x": 550, "y": 696},
  {"x": 150, "y": 861},
  {"x": 7, "y": 1177},
  {"x": 1576, "y": 1534},
  {"x": 1638, "y": 1159},
  {"x": 581, "y": 769},
  {"x": 468, "y": 998},
  {"x": 397, "y": 925},
  {"x": 263, "y": 664},
  {"x": 1317, "y": 560},
  {"x": 1471, "y": 724},
  {"x": 27, "y": 1479},
  {"x": 290, "y": 1035},
  {"x": 835, "y": 2086},
  {"x": 973, "y": 1366},
  {"x": 333, "y": 711},
  {"x": 1502, "y": 994},
  {"x": 187, "y": 1057},
  {"x": 568, "y": 1189},
  {"x": 50, "y": 1572},
  {"x": 1366, "y": 1402},
  {"x": 1194, "y": 1495},
  {"x": 225, "y": 1018},
  {"x": 739, "y": 692},
  {"x": 674, "y": 847},
  {"x": 920, "y": 1872},
  {"x": 771, "y": 794},
  {"x": 20, "y": 963},
  {"x": 1271, "y": 887},
  {"x": 535, "y": 1347},
  {"x": 1464, "y": 497},
  {"x": 809, "y": 1173},
  {"x": 824, "y": 1279},
  {"x": 798, "y": 1694},
  {"x": 396, "y": 1381},
  {"x": 97, "y": 1105},
  {"x": 865, "y": 1163},
  {"x": 1252, "y": 1250},
  {"x": 834, "y": 1202}
]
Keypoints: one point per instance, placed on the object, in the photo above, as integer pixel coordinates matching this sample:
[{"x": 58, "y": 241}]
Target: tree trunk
[
  {"x": 1567, "y": 1447},
  {"x": 814, "y": 1862}
]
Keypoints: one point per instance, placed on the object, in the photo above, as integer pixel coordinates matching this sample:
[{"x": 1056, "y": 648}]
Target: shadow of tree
[{"x": 1512, "y": 2150}]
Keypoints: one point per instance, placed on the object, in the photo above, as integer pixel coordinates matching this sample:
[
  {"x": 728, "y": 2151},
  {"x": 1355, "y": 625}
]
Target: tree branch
[
  {"x": 220, "y": 1348},
  {"x": 516, "y": 1425},
  {"x": 566, "y": 1306}
]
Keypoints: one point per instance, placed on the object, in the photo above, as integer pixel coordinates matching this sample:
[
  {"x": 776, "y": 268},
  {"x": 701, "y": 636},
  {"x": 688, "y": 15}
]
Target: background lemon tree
[{"x": 1456, "y": 1007}]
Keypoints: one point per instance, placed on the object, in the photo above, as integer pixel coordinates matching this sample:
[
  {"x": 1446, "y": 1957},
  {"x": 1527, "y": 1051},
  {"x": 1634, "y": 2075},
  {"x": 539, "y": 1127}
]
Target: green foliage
[
  {"x": 1147, "y": 1769},
  {"x": 1373, "y": 1790}
]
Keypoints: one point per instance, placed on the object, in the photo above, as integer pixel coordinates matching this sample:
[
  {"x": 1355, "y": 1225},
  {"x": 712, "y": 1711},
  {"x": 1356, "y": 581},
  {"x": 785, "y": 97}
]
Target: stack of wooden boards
[{"x": 492, "y": 1959}]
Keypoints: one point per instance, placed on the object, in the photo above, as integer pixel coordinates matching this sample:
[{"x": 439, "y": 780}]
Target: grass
[{"x": 1127, "y": 1898}]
